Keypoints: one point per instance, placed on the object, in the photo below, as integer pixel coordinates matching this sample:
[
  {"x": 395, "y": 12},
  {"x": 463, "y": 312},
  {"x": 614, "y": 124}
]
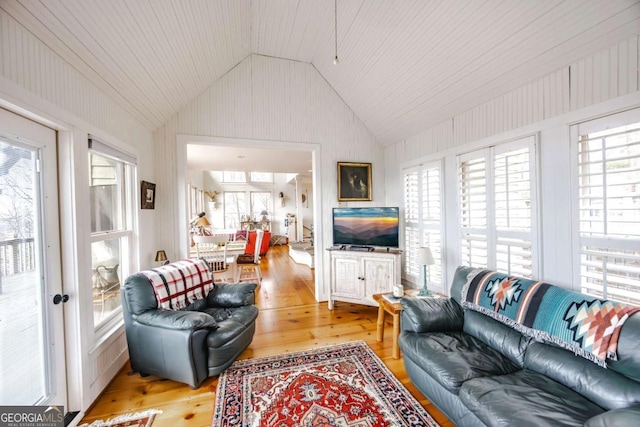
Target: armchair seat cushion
[
  {"x": 452, "y": 358},
  {"x": 529, "y": 397},
  {"x": 244, "y": 315}
]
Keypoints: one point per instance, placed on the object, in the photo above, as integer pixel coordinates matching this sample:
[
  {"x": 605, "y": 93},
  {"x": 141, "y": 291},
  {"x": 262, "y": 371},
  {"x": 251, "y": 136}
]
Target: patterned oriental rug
[{"x": 342, "y": 385}]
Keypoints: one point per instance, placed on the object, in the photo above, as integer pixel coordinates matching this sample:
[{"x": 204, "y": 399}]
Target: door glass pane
[{"x": 23, "y": 376}]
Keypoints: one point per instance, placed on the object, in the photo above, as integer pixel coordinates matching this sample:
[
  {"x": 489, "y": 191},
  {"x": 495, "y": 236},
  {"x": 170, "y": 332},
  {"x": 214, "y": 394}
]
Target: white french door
[{"x": 32, "y": 354}]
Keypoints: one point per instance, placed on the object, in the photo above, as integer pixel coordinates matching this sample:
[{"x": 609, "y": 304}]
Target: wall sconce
[
  {"x": 161, "y": 257},
  {"x": 281, "y": 196}
]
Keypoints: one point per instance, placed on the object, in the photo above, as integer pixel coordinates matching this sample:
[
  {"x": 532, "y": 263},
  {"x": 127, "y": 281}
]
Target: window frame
[
  {"x": 422, "y": 228},
  {"x": 490, "y": 232},
  {"x": 127, "y": 171},
  {"x": 605, "y": 241}
]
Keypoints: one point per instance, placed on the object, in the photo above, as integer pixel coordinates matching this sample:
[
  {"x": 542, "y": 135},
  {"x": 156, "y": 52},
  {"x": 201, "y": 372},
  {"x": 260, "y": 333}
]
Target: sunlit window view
[
  {"x": 609, "y": 213},
  {"x": 110, "y": 233},
  {"x": 22, "y": 356}
]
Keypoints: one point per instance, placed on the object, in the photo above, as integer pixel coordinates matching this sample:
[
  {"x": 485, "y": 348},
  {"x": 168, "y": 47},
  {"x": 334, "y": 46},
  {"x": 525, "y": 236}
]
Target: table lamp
[
  {"x": 161, "y": 257},
  {"x": 425, "y": 258}
]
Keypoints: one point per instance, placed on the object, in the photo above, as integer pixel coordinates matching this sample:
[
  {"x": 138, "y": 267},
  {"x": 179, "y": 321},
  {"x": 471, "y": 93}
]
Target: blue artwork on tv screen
[{"x": 366, "y": 226}]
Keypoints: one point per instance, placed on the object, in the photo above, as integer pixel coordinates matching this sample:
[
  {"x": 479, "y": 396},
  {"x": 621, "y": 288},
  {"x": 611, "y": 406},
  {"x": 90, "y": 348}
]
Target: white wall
[
  {"x": 39, "y": 84},
  {"x": 269, "y": 99},
  {"x": 598, "y": 85}
]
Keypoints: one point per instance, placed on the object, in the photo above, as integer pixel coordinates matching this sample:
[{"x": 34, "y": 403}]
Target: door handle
[{"x": 57, "y": 299}]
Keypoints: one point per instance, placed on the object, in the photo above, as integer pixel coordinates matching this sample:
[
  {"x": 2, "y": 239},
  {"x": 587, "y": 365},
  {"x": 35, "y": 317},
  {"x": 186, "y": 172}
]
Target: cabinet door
[
  {"x": 378, "y": 275},
  {"x": 346, "y": 281}
]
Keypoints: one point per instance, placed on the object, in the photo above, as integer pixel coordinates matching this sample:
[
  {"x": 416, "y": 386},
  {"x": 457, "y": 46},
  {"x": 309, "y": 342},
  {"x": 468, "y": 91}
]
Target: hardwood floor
[{"x": 290, "y": 320}]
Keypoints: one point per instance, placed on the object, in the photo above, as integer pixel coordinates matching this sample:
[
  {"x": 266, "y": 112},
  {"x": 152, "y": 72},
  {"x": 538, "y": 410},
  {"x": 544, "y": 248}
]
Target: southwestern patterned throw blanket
[{"x": 585, "y": 325}]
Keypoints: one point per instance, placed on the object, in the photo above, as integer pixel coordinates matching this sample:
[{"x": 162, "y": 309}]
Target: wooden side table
[{"x": 394, "y": 308}]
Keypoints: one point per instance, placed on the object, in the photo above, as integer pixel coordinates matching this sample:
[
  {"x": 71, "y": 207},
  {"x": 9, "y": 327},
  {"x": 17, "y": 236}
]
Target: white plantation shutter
[
  {"x": 423, "y": 219},
  {"x": 432, "y": 219},
  {"x": 473, "y": 209},
  {"x": 411, "y": 221},
  {"x": 497, "y": 198},
  {"x": 513, "y": 213},
  {"x": 608, "y": 178}
]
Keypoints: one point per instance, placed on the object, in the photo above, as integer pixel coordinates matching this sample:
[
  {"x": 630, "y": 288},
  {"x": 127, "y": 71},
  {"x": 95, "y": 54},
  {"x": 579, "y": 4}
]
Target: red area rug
[{"x": 342, "y": 385}]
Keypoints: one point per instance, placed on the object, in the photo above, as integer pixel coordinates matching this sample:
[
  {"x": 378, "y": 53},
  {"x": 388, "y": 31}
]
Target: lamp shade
[
  {"x": 161, "y": 256},
  {"x": 425, "y": 257},
  {"x": 202, "y": 222}
]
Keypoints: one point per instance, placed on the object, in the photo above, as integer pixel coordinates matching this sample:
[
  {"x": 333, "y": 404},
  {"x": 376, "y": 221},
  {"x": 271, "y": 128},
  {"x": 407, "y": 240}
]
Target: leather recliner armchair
[{"x": 193, "y": 343}]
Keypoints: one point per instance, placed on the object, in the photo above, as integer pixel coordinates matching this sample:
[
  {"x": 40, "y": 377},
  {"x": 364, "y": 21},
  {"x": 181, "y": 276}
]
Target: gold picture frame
[
  {"x": 354, "y": 182},
  {"x": 147, "y": 195}
]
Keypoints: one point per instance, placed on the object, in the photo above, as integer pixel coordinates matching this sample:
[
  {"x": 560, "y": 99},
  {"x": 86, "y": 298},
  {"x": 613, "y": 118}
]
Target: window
[
  {"x": 608, "y": 208},
  {"x": 111, "y": 189},
  {"x": 423, "y": 219},
  {"x": 231, "y": 177},
  {"x": 260, "y": 202},
  {"x": 235, "y": 209},
  {"x": 196, "y": 201},
  {"x": 266, "y": 177},
  {"x": 497, "y": 212}
]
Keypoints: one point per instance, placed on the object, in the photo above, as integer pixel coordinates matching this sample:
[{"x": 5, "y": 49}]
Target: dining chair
[
  {"x": 213, "y": 249},
  {"x": 251, "y": 263}
]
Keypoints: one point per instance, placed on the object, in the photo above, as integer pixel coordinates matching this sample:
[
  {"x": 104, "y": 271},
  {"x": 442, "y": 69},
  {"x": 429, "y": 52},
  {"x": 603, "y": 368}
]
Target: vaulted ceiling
[{"x": 404, "y": 65}]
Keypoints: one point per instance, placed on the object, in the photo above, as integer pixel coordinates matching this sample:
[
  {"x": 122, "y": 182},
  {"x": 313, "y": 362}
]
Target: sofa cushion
[
  {"x": 459, "y": 280},
  {"x": 628, "y": 363},
  {"x": 497, "y": 335},
  {"x": 431, "y": 314},
  {"x": 452, "y": 358},
  {"x": 602, "y": 386},
  {"x": 529, "y": 397}
]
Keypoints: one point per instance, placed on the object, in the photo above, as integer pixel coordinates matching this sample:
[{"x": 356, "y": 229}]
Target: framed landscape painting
[{"x": 354, "y": 182}]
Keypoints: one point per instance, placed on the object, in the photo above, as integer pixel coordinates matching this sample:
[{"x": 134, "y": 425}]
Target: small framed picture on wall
[
  {"x": 147, "y": 195},
  {"x": 354, "y": 182}
]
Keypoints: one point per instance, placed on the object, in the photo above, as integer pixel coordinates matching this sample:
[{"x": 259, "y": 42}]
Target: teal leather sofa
[{"x": 479, "y": 371}]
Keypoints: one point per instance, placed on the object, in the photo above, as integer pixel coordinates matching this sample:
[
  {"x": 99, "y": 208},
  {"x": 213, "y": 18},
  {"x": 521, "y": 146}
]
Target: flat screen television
[{"x": 366, "y": 226}]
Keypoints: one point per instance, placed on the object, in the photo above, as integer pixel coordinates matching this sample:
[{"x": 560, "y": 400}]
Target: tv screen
[{"x": 366, "y": 226}]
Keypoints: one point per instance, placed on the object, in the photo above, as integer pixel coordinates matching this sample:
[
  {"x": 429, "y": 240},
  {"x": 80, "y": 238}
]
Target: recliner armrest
[
  {"x": 616, "y": 417},
  {"x": 232, "y": 295},
  {"x": 168, "y": 319},
  {"x": 431, "y": 315}
]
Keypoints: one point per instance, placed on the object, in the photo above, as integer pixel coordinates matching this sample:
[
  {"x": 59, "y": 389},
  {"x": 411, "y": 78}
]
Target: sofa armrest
[
  {"x": 184, "y": 320},
  {"x": 431, "y": 315},
  {"x": 616, "y": 417},
  {"x": 232, "y": 295}
]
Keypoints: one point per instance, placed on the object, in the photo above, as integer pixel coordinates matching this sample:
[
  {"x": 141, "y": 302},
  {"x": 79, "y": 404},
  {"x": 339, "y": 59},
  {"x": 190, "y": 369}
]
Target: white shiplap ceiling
[{"x": 405, "y": 65}]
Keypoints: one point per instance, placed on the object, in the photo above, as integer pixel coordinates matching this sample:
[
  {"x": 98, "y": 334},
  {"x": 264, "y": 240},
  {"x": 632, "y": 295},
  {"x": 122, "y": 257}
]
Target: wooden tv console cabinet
[{"x": 357, "y": 275}]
